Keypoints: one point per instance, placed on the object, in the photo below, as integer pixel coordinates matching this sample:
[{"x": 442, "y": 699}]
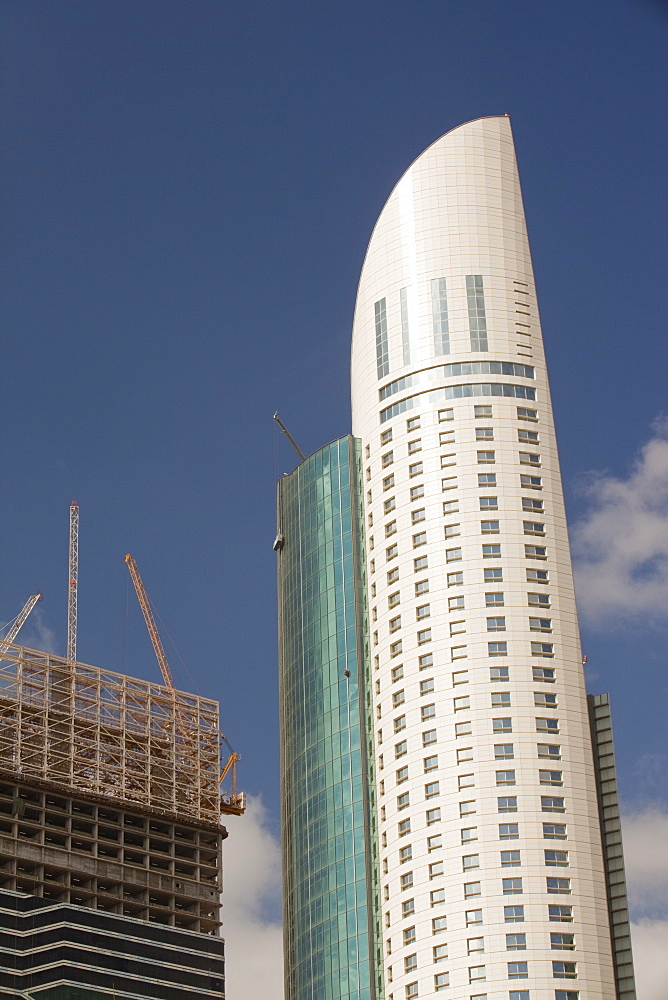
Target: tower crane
[
  {"x": 235, "y": 802},
  {"x": 73, "y": 584},
  {"x": 19, "y": 621}
]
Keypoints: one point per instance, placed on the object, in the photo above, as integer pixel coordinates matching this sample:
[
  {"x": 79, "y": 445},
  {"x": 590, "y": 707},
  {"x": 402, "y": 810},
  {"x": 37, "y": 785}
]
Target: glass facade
[{"x": 329, "y": 839}]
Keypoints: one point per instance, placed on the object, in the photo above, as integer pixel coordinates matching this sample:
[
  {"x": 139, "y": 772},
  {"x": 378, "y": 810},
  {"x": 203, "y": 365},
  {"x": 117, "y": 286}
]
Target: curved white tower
[{"x": 490, "y": 840}]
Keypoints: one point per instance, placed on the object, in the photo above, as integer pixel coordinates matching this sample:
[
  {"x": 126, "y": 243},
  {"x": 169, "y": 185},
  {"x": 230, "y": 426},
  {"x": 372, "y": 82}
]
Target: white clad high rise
[{"x": 492, "y": 874}]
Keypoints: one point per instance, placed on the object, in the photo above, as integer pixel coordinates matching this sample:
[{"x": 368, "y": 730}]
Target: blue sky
[{"x": 188, "y": 190}]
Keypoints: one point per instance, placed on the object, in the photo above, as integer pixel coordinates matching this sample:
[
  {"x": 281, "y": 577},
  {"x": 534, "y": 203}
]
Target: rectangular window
[
  {"x": 450, "y": 506},
  {"x": 424, "y": 636},
  {"x": 537, "y": 576},
  {"x": 493, "y": 575},
  {"x": 439, "y": 309},
  {"x": 484, "y": 433},
  {"x": 416, "y": 492},
  {"x": 464, "y": 754},
  {"x": 428, "y": 712},
  {"x": 477, "y": 974},
  {"x": 474, "y": 946},
  {"x": 455, "y": 579},
  {"x": 387, "y": 459},
  {"x": 510, "y": 859},
  {"x": 414, "y": 446},
  {"x": 399, "y": 723},
  {"x": 504, "y": 751},
  {"x": 482, "y": 411},
  {"x": 425, "y": 660},
  {"x": 432, "y": 790},
  {"x": 513, "y": 914},
  {"x": 551, "y": 803},
  {"x": 428, "y": 737},
  {"x": 427, "y": 687},
  {"x": 564, "y": 970},
  {"x": 430, "y": 763},
  {"x": 529, "y": 504},
  {"x": 470, "y": 861},
  {"x": 388, "y": 482},
  {"x": 549, "y": 750},
  {"x": 547, "y": 726},
  {"x": 456, "y": 603},
  {"x": 434, "y": 843},
  {"x": 516, "y": 942},
  {"x": 398, "y": 698},
  {"x": 467, "y": 808},
  {"x": 385, "y": 437},
  {"x": 538, "y": 600},
  {"x": 420, "y": 564},
  {"x": 419, "y": 539},
  {"x": 494, "y": 600},
  {"x": 505, "y": 777},
  {"x": 392, "y": 551},
  {"x": 542, "y": 649},
  {"x": 439, "y": 925},
  {"x": 507, "y": 804},
  {"x": 502, "y": 725},
  {"x": 441, "y": 981},
  {"x": 551, "y": 777},
  {"x": 440, "y": 953},
  {"x": 444, "y": 415},
  {"x": 411, "y": 991},
  {"x": 509, "y": 831},
  {"x": 526, "y": 435},
  {"x": 405, "y": 854},
  {"x": 446, "y": 437},
  {"x": 412, "y": 423},
  {"x": 396, "y": 647},
  {"x": 395, "y": 624},
  {"x": 403, "y": 801},
  {"x": 462, "y": 729},
  {"x": 529, "y": 458},
  {"x": 500, "y": 699},
  {"x": 563, "y": 914},
  {"x": 556, "y": 859},
  {"x": 406, "y": 881},
  {"x": 562, "y": 942},
  {"x": 489, "y": 503},
  {"x": 486, "y": 480},
  {"x": 393, "y": 575},
  {"x": 382, "y": 349},
  {"x": 473, "y": 917},
  {"x": 531, "y": 482},
  {"x": 499, "y": 674},
  {"x": 496, "y": 624},
  {"x": 390, "y": 528},
  {"x": 554, "y": 831},
  {"x": 393, "y": 599},
  {"x": 489, "y": 527},
  {"x": 545, "y": 699},
  {"x": 518, "y": 970},
  {"x": 448, "y": 460},
  {"x": 437, "y": 897},
  {"x": 497, "y": 648},
  {"x": 460, "y": 677},
  {"x": 511, "y": 886},
  {"x": 544, "y": 674},
  {"x": 400, "y": 749},
  {"x": 486, "y": 458},
  {"x": 475, "y": 298},
  {"x": 415, "y": 469},
  {"x": 558, "y": 886},
  {"x": 535, "y": 551},
  {"x": 472, "y": 889},
  {"x": 491, "y": 551},
  {"x": 453, "y": 555},
  {"x": 451, "y": 530},
  {"x": 524, "y": 414}
]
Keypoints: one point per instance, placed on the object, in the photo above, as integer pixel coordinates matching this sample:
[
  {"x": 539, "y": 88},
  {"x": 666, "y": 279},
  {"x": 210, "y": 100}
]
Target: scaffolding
[{"x": 74, "y": 727}]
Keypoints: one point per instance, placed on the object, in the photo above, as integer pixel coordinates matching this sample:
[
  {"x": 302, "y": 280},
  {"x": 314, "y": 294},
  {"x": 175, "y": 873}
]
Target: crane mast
[
  {"x": 149, "y": 618},
  {"x": 19, "y": 621},
  {"x": 73, "y": 584}
]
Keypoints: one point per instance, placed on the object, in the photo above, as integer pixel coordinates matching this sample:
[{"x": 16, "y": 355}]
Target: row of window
[
  {"x": 514, "y": 914},
  {"x": 479, "y": 412},
  {"x": 437, "y": 396},
  {"x": 442, "y": 982},
  {"x": 450, "y": 459},
  {"x": 475, "y": 298},
  {"x": 477, "y": 974},
  {"x": 545, "y": 777},
  {"x": 486, "y": 434},
  {"x": 459, "y": 368},
  {"x": 505, "y": 803},
  {"x": 499, "y": 726}
]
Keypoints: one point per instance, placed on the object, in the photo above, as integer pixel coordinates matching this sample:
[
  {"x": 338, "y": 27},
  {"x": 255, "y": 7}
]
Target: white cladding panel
[{"x": 440, "y": 689}]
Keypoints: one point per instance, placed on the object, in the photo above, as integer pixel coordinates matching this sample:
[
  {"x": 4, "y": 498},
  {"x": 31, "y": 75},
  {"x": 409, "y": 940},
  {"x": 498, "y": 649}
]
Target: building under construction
[{"x": 110, "y": 834}]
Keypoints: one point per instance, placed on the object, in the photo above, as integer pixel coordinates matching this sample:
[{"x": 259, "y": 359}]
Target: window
[
  {"x": 441, "y": 981},
  {"x": 423, "y": 611},
  {"x": 434, "y": 843},
  {"x": 558, "y": 886},
  {"x": 498, "y": 674},
  {"x": 491, "y": 551},
  {"x": 450, "y": 506},
  {"x": 382, "y": 349},
  {"x": 428, "y": 737},
  {"x": 440, "y": 952},
  {"x": 455, "y": 579},
  {"x": 531, "y": 482},
  {"x": 493, "y": 575},
  {"x": 387, "y": 459},
  {"x": 529, "y": 458},
  {"x": 471, "y": 889},
  {"x": 456, "y": 603},
  {"x": 463, "y": 728},
  {"x": 414, "y": 446},
  {"x": 465, "y": 781},
  {"x": 564, "y": 970},
  {"x": 392, "y": 551},
  {"x": 388, "y": 482},
  {"x": 560, "y": 913},
  {"x": 550, "y": 803},
  {"x": 393, "y": 599},
  {"x": 496, "y": 624},
  {"x": 446, "y": 437},
  {"x": 435, "y": 870},
  {"x": 439, "y": 925},
  {"x": 505, "y": 777},
  {"x": 463, "y": 702},
  {"x": 482, "y": 411},
  {"x": 547, "y": 726},
  {"x": 489, "y": 527},
  {"x": 470, "y": 861},
  {"x": 390, "y": 528},
  {"x": 419, "y": 539},
  {"x": 566, "y": 995},
  {"x": 513, "y": 914},
  {"x": 467, "y": 808},
  {"x": 550, "y": 777},
  {"x": 393, "y": 575},
  {"x": 484, "y": 433},
  {"x": 427, "y": 687},
  {"x": 562, "y": 942},
  {"x": 448, "y": 460},
  {"x": 475, "y": 298},
  {"x": 415, "y": 469},
  {"x": 534, "y": 506},
  {"x": 399, "y": 723},
  {"x": 524, "y": 414},
  {"x": 386, "y": 437},
  {"x": 510, "y": 859},
  {"x": 504, "y": 725},
  {"x": 446, "y": 415},
  {"x": 402, "y": 775},
  {"x": 439, "y": 310},
  {"x": 395, "y": 624},
  {"x": 533, "y": 528},
  {"x": 412, "y": 423},
  {"x": 503, "y": 751},
  {"x": 460, "y": 677},
  {"x": 400, "y": 749},
  {"x": 500, "y": 699},
  {"x": 489, "y": 503},
  {"x": 407, "y": 907},
  {"x": 549, "y": 750},
  {"x": 416, "y": 492},
  {"x": 396, "y": 648},
  {"x": 556, "y": 859},
  {"x": 510, "y": 886},
  {"x": 486, "y": 457},
  {"x": 411, "y": 991},
  {"x": 518, "y": 970},
  {"x": 406, "y": 881},
  {"x": 526, "y": 435},
  {"x": 497, "y": 648},
  {"x": 451, "y": 530},
  {"x": 535, "y": 552},
  {"x": 507, "y": 804},
  {"x": 424, "y": 636},
  {"x": 554, "y": 831},
  {"x": 509, "y": 831},
  {"x": 449, "y": 483},
  {"x": 544, "y": 674},
  {"x": 486, "y": 479},
  {"x": 404, "y": 827},
  {"x": 410, "y": 963},
  {"x": 537, "y": 576},
  {"x": 409, "y": 935},
  {"x": 516, "y": 942},
  {"x": 477, "y": 974},
  {"x": 469, "y": 834},
  {"x": 403, "y": 801},
  {"x": 543, "y": 699},
  {"x": 433, "y": 816},
  {"x": 452, "y": 555},
  {"x": 464, "y": 754},
  {"x": 437, "y": 897},
  {"x": 432, "y": 790},
  {"x": 420, "y": 564},
  {"x": 405, "y": 854},
  {"x": 494, "y": 600},
  {"x": 417, "y": 515},
  {"x": 473, "y": 917}
]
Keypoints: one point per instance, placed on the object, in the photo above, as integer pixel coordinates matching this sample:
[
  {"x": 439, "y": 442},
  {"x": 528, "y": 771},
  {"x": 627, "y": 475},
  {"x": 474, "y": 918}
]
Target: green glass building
[{"x": 329, "y": 835}]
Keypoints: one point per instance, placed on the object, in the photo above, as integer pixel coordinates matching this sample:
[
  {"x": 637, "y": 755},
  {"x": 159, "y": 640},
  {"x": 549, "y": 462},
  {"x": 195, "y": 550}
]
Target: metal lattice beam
[{"x": 73, "y": 584}]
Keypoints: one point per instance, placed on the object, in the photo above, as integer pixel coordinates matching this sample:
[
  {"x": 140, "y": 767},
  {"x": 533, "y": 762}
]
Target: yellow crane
[{"x": 235, "y": 802}]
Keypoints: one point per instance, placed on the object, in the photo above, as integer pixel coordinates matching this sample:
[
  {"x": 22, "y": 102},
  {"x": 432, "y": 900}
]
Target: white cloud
[
  {"x": 251, "y": 903},
  {"x": 621, "y": 546},
  {"x": 646, "y": 861}
]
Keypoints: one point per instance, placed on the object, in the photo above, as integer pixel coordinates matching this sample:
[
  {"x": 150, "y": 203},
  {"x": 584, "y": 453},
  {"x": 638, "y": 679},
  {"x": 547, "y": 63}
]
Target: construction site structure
[
  {"x": 20, "y": 620},
  {"x": 73, "y": 584},
  {"x": 110, "y": 834}
]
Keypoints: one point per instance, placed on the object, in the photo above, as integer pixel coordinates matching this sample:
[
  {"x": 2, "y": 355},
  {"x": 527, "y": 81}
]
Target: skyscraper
[{"x": 491, "y": 828}]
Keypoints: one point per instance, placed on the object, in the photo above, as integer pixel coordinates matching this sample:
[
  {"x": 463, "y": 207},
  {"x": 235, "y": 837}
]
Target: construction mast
[
  {"x": 73, "y": 583},
  {"x": 19, "y": 621}
]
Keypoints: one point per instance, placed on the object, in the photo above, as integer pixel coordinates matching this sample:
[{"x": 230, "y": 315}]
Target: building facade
[{"x": 489, "y": 804}]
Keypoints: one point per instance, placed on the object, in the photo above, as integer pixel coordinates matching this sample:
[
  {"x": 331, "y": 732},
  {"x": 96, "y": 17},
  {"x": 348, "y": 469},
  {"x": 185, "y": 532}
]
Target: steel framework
[
  {"x": 73, "y": 583},
  {"x": 74, "y": 726}
]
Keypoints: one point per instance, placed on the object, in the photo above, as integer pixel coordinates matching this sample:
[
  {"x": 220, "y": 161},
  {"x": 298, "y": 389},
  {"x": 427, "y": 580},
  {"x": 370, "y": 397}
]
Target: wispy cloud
[
  {"x": 251, "y": 904},
  {"x": 621, "y": 546},
  {"x": 646, "y": 861},
  {"x": 36, "y": 634}
]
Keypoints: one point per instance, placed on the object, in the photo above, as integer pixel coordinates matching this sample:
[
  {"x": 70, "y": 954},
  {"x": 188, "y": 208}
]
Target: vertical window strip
[
  {"x": 382, "y": 350},
  {"x": 477, "y": 320},
  {"x": 439, "y": 307},
  {"x": 405, "y": 335}
]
